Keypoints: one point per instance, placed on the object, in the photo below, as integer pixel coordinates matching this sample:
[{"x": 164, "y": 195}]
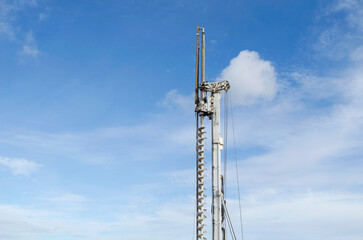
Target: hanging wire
[
  {"x": 235, "y": 158},
  {"x": 233, "y": 234}
]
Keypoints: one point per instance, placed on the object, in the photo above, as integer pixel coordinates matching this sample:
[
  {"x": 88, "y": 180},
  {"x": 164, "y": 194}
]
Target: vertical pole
[
  {"x": 216, "y": 168},
  {"x": 203, "y": 57},
  {"x": 197, "y": 71},
  {"x": 202, "y": 74}
]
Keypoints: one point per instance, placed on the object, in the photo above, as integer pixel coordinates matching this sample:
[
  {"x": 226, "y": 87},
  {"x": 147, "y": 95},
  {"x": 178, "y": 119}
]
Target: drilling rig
[{"x": 207, "y": 104}]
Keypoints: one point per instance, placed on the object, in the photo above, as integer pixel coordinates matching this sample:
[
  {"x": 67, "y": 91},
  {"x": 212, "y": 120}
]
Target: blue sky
[{"x": 97, "y": 117}]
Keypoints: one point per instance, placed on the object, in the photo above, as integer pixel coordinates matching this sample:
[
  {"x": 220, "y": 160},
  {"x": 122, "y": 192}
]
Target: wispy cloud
[
  {"x": 19, "y": 166},
  {"x": 30, "y": 47},
  {"x": 340, "y": 30},
  {"x": 69, "y": 197},
  {"x": 111, "y": 144},
  {"x": 175, "y": 100},
  {"x": 9, "y": 26},
  {"x": 25, "y": 223},
  {"x": 66, "y": 202},
  {"x": 353, "y": 9},
  {"x": 42, "y": 16},
  {"x": 305, "y": 215},
  {"x": 8, "y": 11}
]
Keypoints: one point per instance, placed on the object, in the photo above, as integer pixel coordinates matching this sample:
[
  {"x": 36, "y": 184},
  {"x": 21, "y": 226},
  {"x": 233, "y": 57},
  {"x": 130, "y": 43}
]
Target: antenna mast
[{"x": 207, "y": 104}]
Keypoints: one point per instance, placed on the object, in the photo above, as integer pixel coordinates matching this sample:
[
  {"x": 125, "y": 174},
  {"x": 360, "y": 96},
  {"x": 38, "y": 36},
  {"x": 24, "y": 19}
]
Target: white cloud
[
  {"x": 8, "y": 27},
  {"x": 161, "y": 136},
  {"x": 251, "y": 78},
  {"x": 19, "y": 166},
  {"x": 341, "y": 30},
  {"x": 357, "y": 54},
  {"x": 312, "y": 215},
  {"x": 119, "y": 221},
  {"x": 69, "y": 197},
  {"x": 66, "y": 202},
  {"x": 353, "y": 9},
  {"x": 8, "y": 10},
  {"x": 30, "y": 48},
  {"x": 306, "y": 135},
  {"x": 175, "y": 100},
  {"x": 42, "y": 16},
  {"x": 121, "y": 144},
  {"x": 32, "y": 3}
]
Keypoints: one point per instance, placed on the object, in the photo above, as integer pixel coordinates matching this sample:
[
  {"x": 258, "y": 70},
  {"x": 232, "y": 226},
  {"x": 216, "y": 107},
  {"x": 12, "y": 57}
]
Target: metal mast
[{"x": 207, "y": 103}]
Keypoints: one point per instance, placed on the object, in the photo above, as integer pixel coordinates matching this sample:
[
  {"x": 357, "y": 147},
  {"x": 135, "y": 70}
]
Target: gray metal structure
[{"x": 207, "y": 104}]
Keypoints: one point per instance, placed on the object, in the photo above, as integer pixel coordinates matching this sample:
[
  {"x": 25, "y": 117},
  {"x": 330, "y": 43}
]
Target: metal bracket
[
  {"x": 206, "y": 106},
  {"x": 214, "y": 87}
]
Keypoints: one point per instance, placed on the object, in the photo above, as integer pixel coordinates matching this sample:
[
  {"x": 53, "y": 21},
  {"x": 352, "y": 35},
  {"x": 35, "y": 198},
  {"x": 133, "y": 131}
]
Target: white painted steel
[{"x": 216, "y": 167}]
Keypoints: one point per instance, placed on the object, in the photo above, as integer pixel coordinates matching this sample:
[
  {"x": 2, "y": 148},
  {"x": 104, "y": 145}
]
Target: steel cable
[{"x": 235, "y": 158}]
